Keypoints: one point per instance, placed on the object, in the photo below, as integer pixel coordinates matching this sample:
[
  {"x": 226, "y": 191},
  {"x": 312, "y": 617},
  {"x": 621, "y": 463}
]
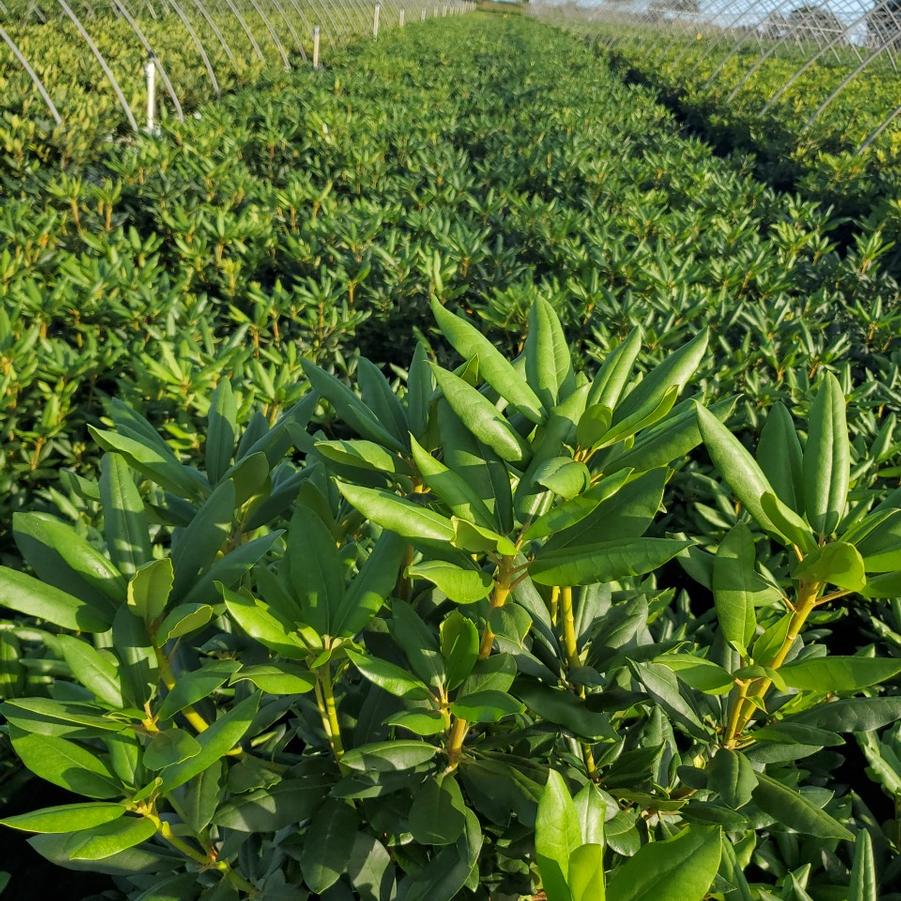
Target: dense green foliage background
[{"x": 337, "y": 216}]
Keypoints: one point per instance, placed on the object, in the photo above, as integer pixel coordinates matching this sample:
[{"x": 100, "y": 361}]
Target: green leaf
[
  {"x": 464, "y": 585},
  {"x": 481, "y": 417},
  {"x": 564, "y": 709},
  {"x": 827, "y": 458},
  {"x": 104, "y": 841},
  {"x": 263, "y": 624},
  {"x": 864, "y": 883},
  {"x": 149, "y": 589},
  {"x": 735, "y": 584},
  {"x": 673, "y": 372},
  {"x": 680, "y": 868},
  {"x": 564, "y": 477},
  {"x": 834, "y": 673},
  {"x": 124, "y": 520},
  {"x": 27, "y": 595},
  {"x": 366, "y": 594},
  {"x": 215, "y": 742},
  {"x": 837, "y": 562},
  {"x": 881, "y": 546},
  {"x": 486, "y": 706},
  {"x": 182, "y": 620},
  {"x": 97, "y": 670},
  {"x": 549, "y": 369},
  {"x": 594, "y": 423},
  {"x": 195, "y": 547},
  {"x": 365, "y": 455},
  {"x": 494, "y": 367},
  {"x": 792, "y": 809},
  {"x": 60, "y": 556},
  {"x": 592, "y": 810},
  {"x": 788, "y": 522},
  {"x": 65, "y": 763},
  {"x": 586, "y": 873},
  {"x": 389, "y": 676},
  {"x": 853, "y": 714},
  {"x": 389, "y": 756},
  {"x": 698, "y": 672},
  {"x": 459, "y": 648},
  {"x": 169, "y": 747},
  {"x": 557, "y": 835},
  {"x": 419, "y": 722},
  {"x": 222, "y": 431},
  {"x": 737, "y": 467},
  {"x": 437, "y": 814},
  {"x": 404, "y": 518},
  {"x": 731, "y": 776},
  {"x": 316, "y": 570},
  {"x": 66, "y": 817},
  {"x": 349, "y": 407},
  {"x": 449, "y": 487},
  {"x": 605, "y": 561},
  {"x": 277, "y": 678},
  {"x": 418, "y": 641},
  {"x": 780, "y": 457},
  {"x": 613, "y": 375},
  {"x": 194, "y": 686}
]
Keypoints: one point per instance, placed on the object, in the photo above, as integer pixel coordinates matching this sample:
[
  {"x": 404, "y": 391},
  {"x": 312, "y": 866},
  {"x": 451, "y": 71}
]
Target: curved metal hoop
[
  {"x": 35, "y": 78},
  {"x": 102, "y": 62}
]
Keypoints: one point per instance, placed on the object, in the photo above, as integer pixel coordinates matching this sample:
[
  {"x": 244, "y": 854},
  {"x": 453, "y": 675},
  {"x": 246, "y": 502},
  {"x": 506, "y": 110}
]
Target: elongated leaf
[
  {"x": 481, "y": 417},
  {"x": 557, "y": 835},
  {"x": 463, "y": 584},
  {"x": 827, "y": 458},
  {"x": 780, "y": 457},
  {"x": 221, "y": 431},
  {"x": 262, "y": 623},
  {"x": 349, "y": 407},
  {"x": 400, "y": 516},
  {"x": 389, "y": 756},
  {"x": 549, "y": 368},
  {"x": 853, "y": 714},
  {"x": 100, "y": 842},
  {"x": 612, "y": 377},
  {"x": 149, "y": 588},
  {"x": 731, "y": 776},
  {"x": 469, "y": 342},
  {"x": 864, "y": 885},
  {"x": 27, "y": 595},
  {"x": 673, "y": 372},
  {"x": 838, "y": 563},
  {"x": 60, "y": 556},
  {"x": 603, "y": 562},
  {"x": 124, "y": 520},
  {"x": 193, "y": 686},
  {"x": 66, "y": 764},
  {"x": 437, "y": 813},
  {"x": 97, "y": 670},
  {"x": 586, "y": 873},
  {"x": 215, "y": 742},
  {"x": 678, "y": 869},
  {"x": 459, "y": 648},
  {"x": 66, "y": 817},
  {"x": 792, "y": 809},
  {"x": 737, "y": 467},
  {"x": 834, "y": 673},
  {"x": 562, "y": 708},
  {"x": 389, "y": 676},
  {"x": 735, "y": 585},
  {"x": 316, "y": 570}
]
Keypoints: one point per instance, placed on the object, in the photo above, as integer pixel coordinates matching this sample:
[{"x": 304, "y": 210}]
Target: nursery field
[{"x": 439, "y": 476}]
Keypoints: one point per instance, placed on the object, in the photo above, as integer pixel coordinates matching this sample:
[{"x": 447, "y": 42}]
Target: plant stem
[
  {"x": 502, "y": 588},
  {"x": 808, "y": 592},
  {"x": 168, "y": 677},
  {"x": 569, "y": 627},
  {"x": 328, "y": 710}
]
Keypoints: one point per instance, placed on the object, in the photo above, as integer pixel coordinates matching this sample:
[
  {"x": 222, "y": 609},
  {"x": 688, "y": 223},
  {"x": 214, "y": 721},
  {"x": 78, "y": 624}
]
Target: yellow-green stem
[
  {"x": 808, "y": 592},
  {"x": 168, "y": 677},
  {"x": 569, "y": 627},
  {"x": 502, "y": 588},
  {"x": 328, "y": 710}
]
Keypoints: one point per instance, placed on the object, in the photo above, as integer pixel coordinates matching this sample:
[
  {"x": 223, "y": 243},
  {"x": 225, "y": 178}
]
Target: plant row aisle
[{"x": 436, "y": 478}]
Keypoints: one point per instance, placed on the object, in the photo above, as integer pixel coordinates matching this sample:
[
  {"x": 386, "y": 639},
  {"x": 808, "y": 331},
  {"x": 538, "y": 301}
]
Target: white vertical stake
[
  {"x": 375, "y": 20},
  {"x": 150, "y": 75},
  {"x": 422, "y": 16},
  {"x": 315, "y": 46},
  {"x": 401, "y": 19}
]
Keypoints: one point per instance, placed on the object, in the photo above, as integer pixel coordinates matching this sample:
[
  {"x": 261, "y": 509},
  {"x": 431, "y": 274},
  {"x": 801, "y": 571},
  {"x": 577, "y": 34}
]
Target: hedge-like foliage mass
[{"x": 499, "y": 502}]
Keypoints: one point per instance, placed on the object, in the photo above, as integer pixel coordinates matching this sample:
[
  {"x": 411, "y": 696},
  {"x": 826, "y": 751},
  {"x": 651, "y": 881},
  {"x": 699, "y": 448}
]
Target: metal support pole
[
  {"x": 400, "y": 18},
  {"x": 150, "y": 75},
  {"x": 316, "y": 47},
  {"x": 375, "y": 20}
]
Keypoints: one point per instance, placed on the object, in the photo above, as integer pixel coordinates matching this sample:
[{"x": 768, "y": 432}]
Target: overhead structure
[
  {"x": 66, "y": 62},
  {"x": 804, "y": 57}
]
